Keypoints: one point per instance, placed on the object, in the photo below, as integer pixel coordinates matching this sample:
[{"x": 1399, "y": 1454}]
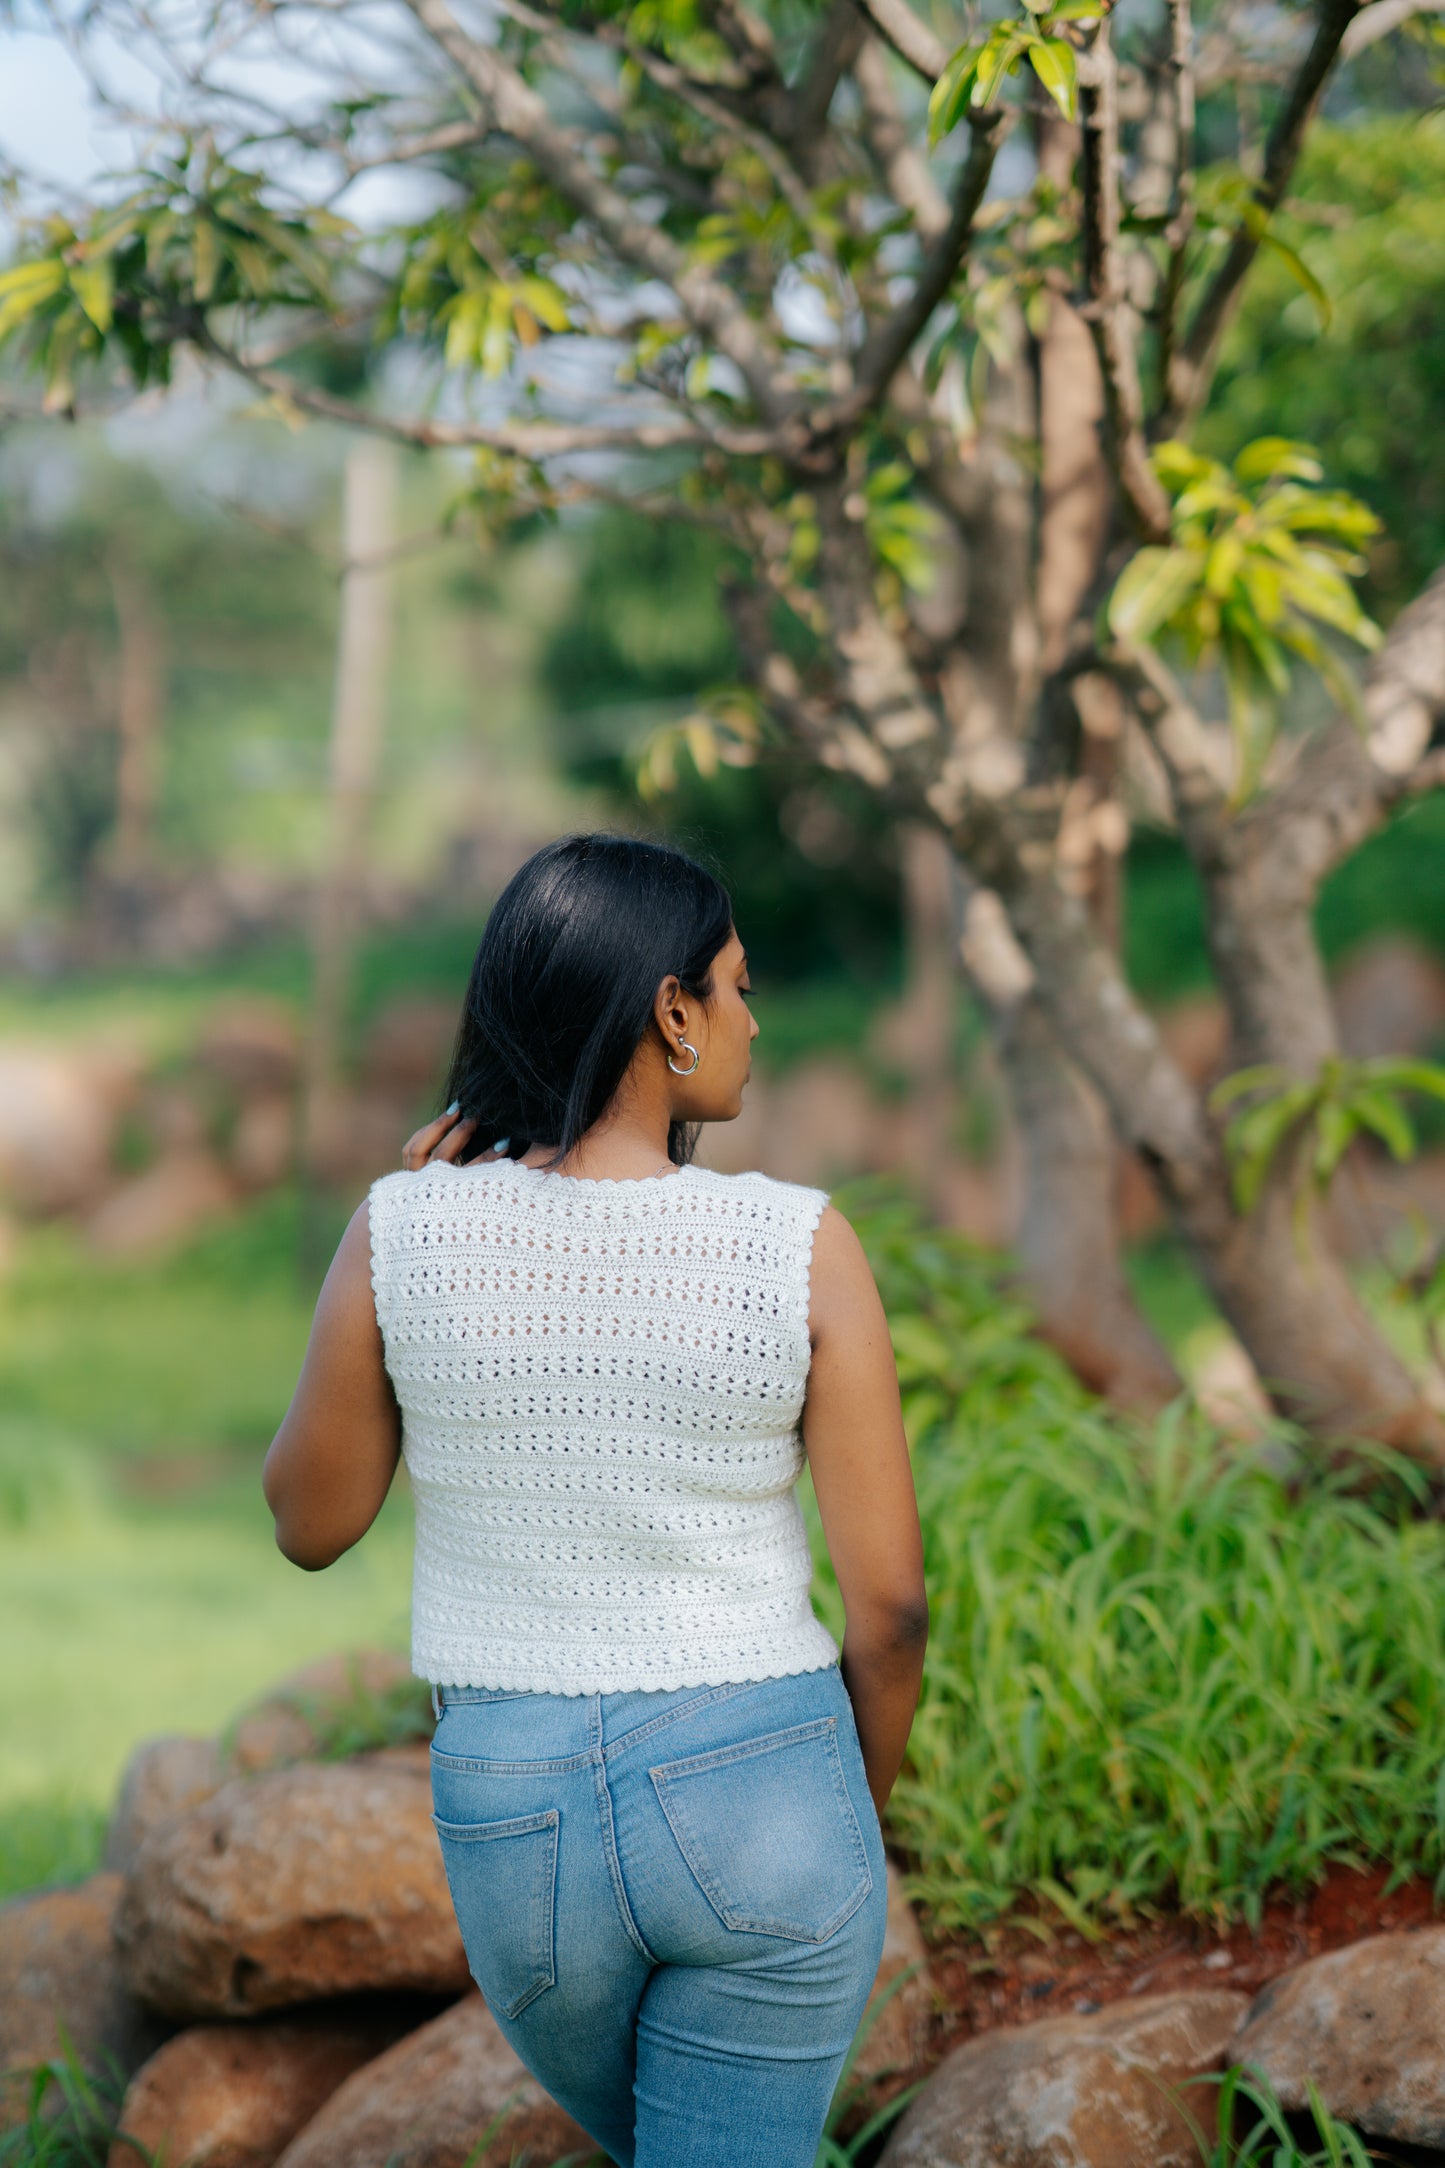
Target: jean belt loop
[{"x": 436, "y": 1703}]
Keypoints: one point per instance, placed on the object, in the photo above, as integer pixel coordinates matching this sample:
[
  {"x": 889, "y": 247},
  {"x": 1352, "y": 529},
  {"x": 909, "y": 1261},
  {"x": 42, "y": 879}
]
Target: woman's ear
[{"x": 669, "y": 1011}]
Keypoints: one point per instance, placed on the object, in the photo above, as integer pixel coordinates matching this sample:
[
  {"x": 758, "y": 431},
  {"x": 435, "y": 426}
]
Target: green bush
[{"x": 1153, "y": 1677}]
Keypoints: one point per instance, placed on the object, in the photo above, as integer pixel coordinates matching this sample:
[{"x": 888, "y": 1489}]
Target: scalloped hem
[{"x": 672, "y": 1682}]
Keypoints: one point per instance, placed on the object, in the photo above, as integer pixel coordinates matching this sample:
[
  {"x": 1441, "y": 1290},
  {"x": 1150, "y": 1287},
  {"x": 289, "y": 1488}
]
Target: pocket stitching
[
  {"x": 767, "y": 1742},
  {"x": 694, "y": 1852},
  {"x": 478, "y": 1832},
  {"x": 544, "y": 1893}
]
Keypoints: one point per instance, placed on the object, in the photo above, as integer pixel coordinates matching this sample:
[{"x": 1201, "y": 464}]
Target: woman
[{"x": 657, "y": 1782}]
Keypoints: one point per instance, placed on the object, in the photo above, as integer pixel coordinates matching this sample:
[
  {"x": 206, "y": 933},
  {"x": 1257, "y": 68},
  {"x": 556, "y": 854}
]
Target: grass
[
  {"x": 71, "y": 2117},
  {"x": 1153, "y": 1679},
  {"x": 125, "y": 1617},
  {"x": 1271, "y": 2138},
  {"x": 188, "y": 1354}
]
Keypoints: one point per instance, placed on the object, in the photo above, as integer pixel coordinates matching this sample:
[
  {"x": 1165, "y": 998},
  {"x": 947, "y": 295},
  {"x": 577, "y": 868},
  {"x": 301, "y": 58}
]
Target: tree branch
[
  {"x": 1181, "y": 739},
  {"x": 538, "y": 440},
  {"x": 1381, "y": 17},
  {"x": 909, "y": 36},
  {"x": 903, "y": 166},
  {"x": 835, "y": 49},
  {"x": 1107, "y": 310},
  {"x": 887, "y": 347},
  {"x": 1181, "y": 201},
  {"x": 1344, "y": 782},
  {"x": 1193, "y": 364},
  {"x": 521, "y": 113},
  {"x": 702, "y": 97}
]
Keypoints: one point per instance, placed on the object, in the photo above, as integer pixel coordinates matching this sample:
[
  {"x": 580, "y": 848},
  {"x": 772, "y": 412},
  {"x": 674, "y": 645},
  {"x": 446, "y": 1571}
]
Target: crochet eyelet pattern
[{"x": 600, "y": 1384}]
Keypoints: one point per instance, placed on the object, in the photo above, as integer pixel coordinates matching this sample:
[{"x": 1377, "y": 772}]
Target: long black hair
[{"x": 564, "y": 980}]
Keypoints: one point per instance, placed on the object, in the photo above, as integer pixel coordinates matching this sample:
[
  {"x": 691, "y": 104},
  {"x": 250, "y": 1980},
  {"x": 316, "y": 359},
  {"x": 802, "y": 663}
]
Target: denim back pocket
[
  {"x": 503, "y": 1878},
  {"x": 769, "y": 1832}
]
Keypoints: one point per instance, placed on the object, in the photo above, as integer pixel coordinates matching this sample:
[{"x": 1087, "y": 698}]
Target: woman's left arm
[{"x": 331, "y": 1463}]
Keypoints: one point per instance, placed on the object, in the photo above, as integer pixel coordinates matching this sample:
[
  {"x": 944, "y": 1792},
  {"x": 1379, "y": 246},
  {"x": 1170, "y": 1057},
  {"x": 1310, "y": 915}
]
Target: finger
[
  {"x": 456, "y": 1140},
  {"x": 421, "y": 1141}
]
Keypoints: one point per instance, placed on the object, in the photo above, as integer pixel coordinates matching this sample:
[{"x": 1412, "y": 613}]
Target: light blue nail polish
[{"x": 455, "y": 1107}]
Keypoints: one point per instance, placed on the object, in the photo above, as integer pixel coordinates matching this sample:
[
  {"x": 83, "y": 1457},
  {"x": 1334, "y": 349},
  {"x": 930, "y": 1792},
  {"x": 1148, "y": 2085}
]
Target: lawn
[{"x": 140, "y": 1589}]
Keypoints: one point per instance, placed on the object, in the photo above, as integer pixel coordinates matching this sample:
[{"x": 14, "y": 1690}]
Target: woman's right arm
[{"x": 858, "y": 1455}]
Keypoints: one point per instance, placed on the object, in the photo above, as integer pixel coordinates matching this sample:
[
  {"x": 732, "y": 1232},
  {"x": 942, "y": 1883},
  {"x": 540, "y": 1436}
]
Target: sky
[{"x": 48, "y": 125}]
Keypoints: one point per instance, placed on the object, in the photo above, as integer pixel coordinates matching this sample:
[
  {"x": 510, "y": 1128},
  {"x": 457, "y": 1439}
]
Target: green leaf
[
  {"x": 1266, "y": 457},
  {"x": 1175, "y": 464},
  {"x": 1376, "y": 1110},
  {"x": 1055, "y": 63},
  {"x": 19, "y": 300},
  {"x": 950, "y": 93},
  {"x": 1301, "y": 271},
  {"x": 1151, "y": 589},
  {"x": 1221, "y": 567},
  {"x": 205, "y": 259},
  {"x": 1254, "y": 1138},
  {"x": 1260, "y": 1076},
  {"x": 1335, "y": 1131},
  {"x": 547, "y": 302},
  {"x": 998, "y": 56},
  {"x": 1410, "y": 1076},
  {"x": 93, "y": 285},
  {"x": 44, "y": 274}
]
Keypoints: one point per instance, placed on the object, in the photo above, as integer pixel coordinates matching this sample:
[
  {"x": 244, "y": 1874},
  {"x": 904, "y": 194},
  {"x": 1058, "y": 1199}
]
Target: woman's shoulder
[{"x": 751, "y": 1188}]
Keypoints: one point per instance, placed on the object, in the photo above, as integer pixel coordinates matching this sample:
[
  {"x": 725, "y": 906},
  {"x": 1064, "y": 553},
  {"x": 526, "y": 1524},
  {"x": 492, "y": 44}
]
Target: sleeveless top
[{"x": 600, "y": 1385}]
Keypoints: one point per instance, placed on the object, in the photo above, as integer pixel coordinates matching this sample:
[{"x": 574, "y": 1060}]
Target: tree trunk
[
  {"x": 357, "y": 718},
  {"x": 1068, "y": 1238},
  {"x": 1318, "y": 1353},
  {"x": 929, "y": 1005},
  {"x": 1068, "y": 1241},
  {"x": 1068, "y": 1235},
  {"x": 140, "y": 706}
]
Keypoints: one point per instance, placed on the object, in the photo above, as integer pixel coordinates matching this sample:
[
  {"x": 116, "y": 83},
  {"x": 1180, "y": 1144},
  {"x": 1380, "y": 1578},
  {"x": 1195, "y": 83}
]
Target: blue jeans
[{"x": 673, "y": 1903}]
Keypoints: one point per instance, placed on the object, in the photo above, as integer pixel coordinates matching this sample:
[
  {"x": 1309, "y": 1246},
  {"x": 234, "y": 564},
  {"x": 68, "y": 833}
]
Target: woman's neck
[{"x": 626, "y": 1149}]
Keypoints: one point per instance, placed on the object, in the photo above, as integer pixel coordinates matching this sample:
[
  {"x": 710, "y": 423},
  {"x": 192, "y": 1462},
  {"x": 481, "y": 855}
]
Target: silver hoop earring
[{"x": 684, "y": 1048}]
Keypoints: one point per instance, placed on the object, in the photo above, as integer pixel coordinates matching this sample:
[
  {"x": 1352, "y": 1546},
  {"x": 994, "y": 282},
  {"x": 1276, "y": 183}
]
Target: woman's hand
[{"x": 446, "y": 1138}]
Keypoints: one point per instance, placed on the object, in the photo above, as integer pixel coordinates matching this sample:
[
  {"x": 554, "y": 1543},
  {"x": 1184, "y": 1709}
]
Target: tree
[{"x": 923, "y": 331}]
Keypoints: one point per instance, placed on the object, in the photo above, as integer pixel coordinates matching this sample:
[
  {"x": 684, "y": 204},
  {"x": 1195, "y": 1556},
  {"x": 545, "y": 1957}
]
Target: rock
[
  {"x": 263, "y": 1142},
  {"x": 427, "y": 2102},
  {"x": 156, "y": 1210},
  {"x": 234, "y": 2096},
  {"x": 1074, "y": 2092},
  {"x": 162, "y": 1778},
  {"x": 57, "y": 1968},
  {"x": 251, "y": 1046},
  {"x": 289, "y": 1887},
  {"x": 59, "y": 1112},
  {"x": 371, "y": 1692},
  {"x": 1389, "y": 998},
  {"x": 1366, "y": 2023},
  {"x": 897, "y": 2039}
]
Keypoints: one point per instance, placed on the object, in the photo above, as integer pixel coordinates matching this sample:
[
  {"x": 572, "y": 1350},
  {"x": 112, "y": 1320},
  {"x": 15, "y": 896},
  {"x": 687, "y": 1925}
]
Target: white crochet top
[{"x": 600, "y": 1385}]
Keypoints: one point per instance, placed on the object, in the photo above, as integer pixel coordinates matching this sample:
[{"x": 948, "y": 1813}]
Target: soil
[{"x": 1014, "y": 1977}]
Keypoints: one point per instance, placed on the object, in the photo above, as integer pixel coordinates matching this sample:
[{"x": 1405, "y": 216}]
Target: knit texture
[{"x": 600, "y": 1385}]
